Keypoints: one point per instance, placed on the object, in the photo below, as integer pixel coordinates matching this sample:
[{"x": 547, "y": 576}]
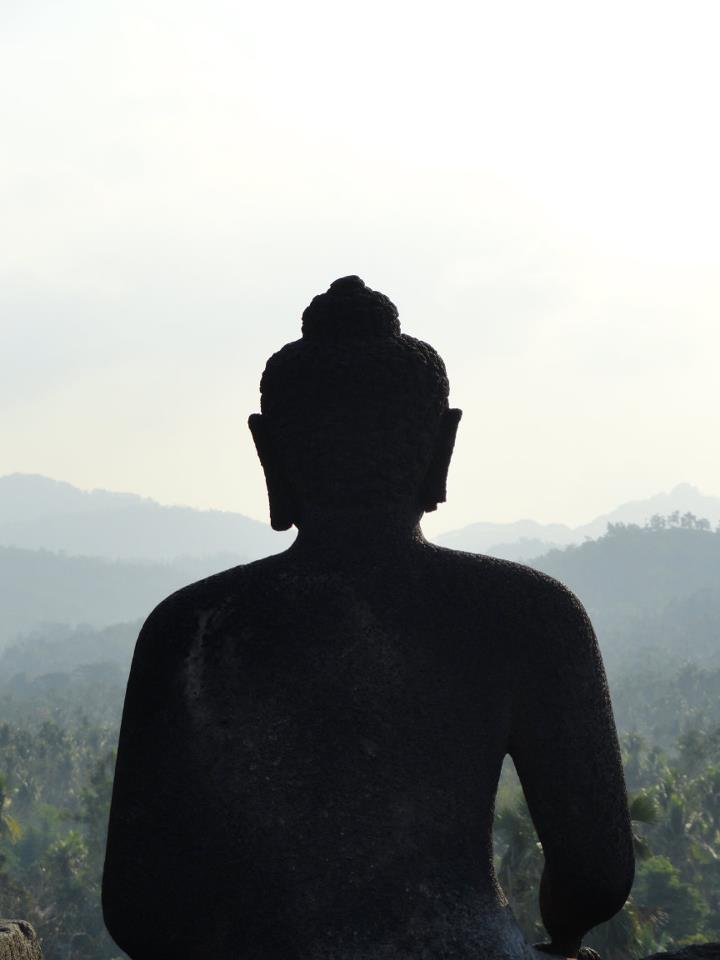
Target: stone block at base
[{"x": 18, "y": 941}]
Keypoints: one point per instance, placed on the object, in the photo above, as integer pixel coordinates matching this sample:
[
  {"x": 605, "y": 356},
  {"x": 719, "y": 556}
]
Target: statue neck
[{"x": 358, "y": 533}]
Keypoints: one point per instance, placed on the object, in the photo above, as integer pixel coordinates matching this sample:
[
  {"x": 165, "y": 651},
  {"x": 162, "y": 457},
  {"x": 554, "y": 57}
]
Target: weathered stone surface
[
  {"x": 18, "y": 941},
  {"x": 704, "y": 951}
]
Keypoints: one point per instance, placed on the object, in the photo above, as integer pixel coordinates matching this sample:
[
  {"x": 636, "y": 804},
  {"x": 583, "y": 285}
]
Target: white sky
[{"x": 535, "y": 185}]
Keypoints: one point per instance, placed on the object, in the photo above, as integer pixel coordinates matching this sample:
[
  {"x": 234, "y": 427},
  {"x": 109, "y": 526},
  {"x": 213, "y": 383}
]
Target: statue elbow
[
  {"x": 113, "y": 913},
  {"x": 607, "y": 895},
  {"x": 578, "y": 900}
]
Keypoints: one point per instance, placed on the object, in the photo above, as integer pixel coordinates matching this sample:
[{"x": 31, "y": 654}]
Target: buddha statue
[{"x": 311, "y": 743}]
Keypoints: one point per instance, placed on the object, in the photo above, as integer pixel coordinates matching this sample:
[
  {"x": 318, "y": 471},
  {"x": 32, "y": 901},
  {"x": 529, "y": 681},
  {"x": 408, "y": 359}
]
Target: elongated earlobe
[
  {"x": 434, "y": 489},
  {"x": 280, "y": 499}
]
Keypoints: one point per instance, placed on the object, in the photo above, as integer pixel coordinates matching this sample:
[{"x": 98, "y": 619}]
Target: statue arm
[
  {"x": 565, "y": 749},
  {"x": 150, "y": 889}
]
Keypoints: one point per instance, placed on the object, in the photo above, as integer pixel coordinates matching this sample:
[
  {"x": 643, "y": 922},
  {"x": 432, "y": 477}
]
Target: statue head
[{"x": 355, "y": 414}]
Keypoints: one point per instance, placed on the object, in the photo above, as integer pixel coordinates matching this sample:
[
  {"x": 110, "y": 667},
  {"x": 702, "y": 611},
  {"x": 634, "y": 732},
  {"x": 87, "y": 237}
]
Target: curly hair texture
[{"x": 355, "y": 405}]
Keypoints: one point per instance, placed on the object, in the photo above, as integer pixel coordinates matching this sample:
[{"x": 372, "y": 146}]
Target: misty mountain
[
  {"x": 38, "y": 587},
  {"x": 519, "y": 541},
  {"x": 628, "y": 578},
  {"x": 637, "y": 570},
  {"x": 59, "y": 648},
  {"x": 37, "y": 513},
  {"x": 650, "y": 592},
  {"x": 525, "y": 539}
]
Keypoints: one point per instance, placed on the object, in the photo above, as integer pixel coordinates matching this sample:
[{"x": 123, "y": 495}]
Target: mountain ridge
[
  {"x": 532, "y": 539},
  {"x": 39, "y": 513}
]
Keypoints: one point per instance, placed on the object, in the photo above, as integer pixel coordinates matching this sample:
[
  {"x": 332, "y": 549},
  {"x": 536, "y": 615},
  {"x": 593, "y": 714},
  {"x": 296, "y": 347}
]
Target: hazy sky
[{"x": 534, "y": 184}]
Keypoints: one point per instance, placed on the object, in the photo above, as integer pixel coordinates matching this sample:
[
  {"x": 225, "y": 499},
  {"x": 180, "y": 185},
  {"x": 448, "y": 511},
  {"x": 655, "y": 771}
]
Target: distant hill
[
  {"x": 633, "y": 569},
  {"x": 62, "y": 649},
  {"x": 38, "y": 587},
  {"x": 628, "y": 579},
  {"x": 37, "y": 513},
  {"x": 648, "y": 591},
  {"x": 519, "y": 541},
  {"x": 524, "y": 539}
]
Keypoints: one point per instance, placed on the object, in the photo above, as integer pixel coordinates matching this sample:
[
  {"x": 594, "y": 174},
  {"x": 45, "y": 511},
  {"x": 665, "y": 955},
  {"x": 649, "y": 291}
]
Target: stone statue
[{"x": 311, "y": 743}]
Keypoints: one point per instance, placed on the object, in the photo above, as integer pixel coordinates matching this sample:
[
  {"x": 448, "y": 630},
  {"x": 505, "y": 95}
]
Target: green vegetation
[
  {"x": 654, "y": 593},
  {"x": 55, "y": 790}
]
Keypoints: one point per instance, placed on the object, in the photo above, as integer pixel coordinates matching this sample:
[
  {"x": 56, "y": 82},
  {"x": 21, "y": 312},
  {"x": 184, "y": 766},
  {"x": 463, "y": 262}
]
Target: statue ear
[
  {"x": 282, "y": 503},
  {"x": 434, "y": 488}
]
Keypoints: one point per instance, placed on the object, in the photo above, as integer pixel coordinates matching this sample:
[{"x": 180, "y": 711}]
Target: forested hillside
[
  {"x": 635, "y": 571},
  {"x": 527, "y": 539},
  {"x": 58, "y": 648},
  {"x": 38, "y": 587},
  {"x": 652, "y": 592}
]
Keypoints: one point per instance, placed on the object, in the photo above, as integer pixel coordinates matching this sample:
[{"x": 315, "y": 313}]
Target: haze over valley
[
  {"x": 79, "y": 572},
  {"x": 75, "y": 563}
]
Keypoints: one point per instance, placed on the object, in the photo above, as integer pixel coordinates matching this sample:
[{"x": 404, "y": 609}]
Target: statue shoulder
[
  {"x": 554, "y": 624},
  {"x": 535, "y": 603},
  {"x": 194, "y": 609},
  {"x": 523, "y": 581},
  {"x": 557, "y": 607}
]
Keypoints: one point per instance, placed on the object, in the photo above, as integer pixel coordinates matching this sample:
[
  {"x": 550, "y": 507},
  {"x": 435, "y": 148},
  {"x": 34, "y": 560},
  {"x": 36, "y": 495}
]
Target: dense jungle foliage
[{"x": 61, "y": 696}]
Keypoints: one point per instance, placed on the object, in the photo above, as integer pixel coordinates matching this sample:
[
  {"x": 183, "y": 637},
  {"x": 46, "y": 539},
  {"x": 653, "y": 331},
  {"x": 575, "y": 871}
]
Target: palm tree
[
  {"x": 643, "y": 809},
  {"x": 9, "y": 827}
]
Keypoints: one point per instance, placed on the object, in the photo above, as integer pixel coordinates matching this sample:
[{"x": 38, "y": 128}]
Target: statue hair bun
[{"x": 350, "y": 311}]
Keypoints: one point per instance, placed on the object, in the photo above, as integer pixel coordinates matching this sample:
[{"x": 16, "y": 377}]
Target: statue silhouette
[{"x": 311, "y": 743}]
